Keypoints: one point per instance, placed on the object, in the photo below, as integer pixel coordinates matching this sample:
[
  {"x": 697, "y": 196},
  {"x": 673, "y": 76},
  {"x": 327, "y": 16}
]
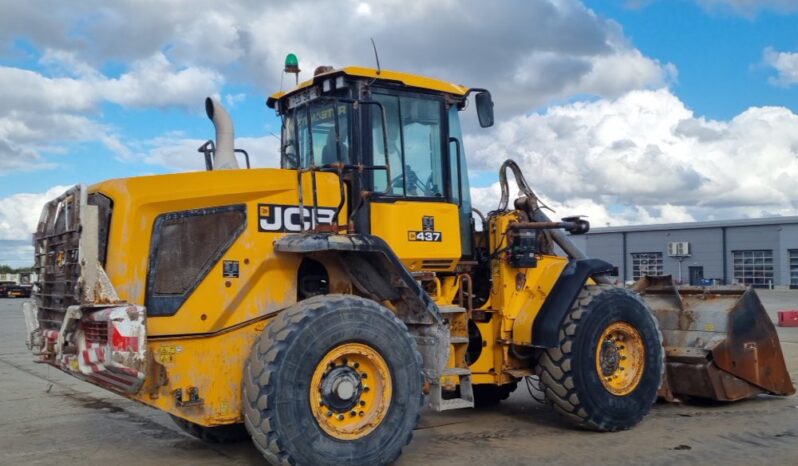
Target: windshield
[
  {"x": 317, "y": 142},
  {"x": 414, "y": 145}
]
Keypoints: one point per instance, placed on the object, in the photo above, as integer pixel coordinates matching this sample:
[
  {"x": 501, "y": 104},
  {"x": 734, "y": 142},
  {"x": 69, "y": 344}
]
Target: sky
[{"x": 628, "y": 111}]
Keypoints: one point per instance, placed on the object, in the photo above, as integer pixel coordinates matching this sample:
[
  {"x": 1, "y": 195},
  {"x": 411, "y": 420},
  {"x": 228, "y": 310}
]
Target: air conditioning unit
[{"x": 679, "y": 249}]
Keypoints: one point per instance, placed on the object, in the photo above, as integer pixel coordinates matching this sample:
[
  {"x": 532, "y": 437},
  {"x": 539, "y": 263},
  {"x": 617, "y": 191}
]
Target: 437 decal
[{"x": 432, "y": 236}]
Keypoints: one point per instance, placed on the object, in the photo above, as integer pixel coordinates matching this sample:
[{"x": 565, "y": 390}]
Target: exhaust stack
[{"x": 224, "y": 156}]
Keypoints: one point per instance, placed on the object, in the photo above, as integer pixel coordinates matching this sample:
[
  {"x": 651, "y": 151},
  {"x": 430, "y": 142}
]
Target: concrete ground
[{"x": 50, "y": 418}]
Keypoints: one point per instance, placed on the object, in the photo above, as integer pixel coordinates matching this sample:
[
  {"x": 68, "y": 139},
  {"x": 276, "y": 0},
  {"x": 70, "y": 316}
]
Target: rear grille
[
  {"x": 95, "y": 332},
  {"x": 57, "y": 242}
]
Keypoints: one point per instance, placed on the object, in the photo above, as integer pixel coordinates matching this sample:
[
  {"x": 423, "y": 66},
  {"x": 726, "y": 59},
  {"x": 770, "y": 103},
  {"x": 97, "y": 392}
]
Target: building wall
[
  {"x": 706, "y": 248},
  {"x": 9, "y": 277},
  {"x": 788, "y": 240},
  {"x": 608, "y": 247}
]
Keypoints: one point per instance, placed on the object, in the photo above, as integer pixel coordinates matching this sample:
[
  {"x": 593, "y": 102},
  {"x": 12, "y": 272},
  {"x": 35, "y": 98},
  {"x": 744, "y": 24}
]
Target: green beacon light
[{"x": 292, "y": 65}]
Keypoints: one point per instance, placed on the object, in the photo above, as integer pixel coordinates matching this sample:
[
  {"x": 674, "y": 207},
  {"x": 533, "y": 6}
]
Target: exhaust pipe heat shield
[{"x": 719, "y": 342}]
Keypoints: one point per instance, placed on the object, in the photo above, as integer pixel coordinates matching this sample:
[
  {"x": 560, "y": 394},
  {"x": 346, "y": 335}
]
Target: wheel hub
[
  {"x": 620, "y": 358},
  {"x": 610, "y": 358},
  {"x": 350, "y": 391},
  {"x": 341, "y": 388}
]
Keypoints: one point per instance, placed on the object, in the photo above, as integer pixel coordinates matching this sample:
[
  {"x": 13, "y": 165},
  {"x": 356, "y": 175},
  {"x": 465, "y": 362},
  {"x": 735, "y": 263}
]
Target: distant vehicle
[{"x": 14, "y": 290}]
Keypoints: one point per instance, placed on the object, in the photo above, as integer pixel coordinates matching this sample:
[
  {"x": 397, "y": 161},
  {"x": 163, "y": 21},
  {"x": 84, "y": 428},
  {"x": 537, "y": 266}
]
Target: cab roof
[{"x": 407, "y": 79}]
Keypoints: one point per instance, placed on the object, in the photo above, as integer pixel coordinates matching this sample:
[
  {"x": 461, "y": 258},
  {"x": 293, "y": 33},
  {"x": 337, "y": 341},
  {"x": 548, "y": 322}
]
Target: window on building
[
  {"x": 646, "y": 263},
  {"x": 753, "y": 267},
  {"x": 793, "y": 268}
]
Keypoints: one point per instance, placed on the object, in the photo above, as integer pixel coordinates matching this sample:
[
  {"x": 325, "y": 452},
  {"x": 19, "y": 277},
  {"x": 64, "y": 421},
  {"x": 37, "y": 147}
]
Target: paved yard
[{"x": 50, "y": 418}]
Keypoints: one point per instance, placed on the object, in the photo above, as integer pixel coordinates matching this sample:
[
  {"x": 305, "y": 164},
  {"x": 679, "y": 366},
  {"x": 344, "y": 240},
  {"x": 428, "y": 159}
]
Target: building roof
[{"x": 744, "y": 222}]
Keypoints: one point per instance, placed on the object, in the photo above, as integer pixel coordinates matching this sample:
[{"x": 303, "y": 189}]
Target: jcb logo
[{"x": 290, "y": 218}]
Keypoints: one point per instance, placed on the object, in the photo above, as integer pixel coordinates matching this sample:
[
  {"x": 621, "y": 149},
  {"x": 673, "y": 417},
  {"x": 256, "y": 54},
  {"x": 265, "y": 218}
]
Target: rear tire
[
  {"x": 293, "y": 417},
  {"x": 590, "y": 387},
  {"x": 218, "y": 434}
]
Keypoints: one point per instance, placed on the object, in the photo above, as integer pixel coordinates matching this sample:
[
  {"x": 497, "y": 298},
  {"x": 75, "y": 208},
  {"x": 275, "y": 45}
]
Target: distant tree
[{"x": 8, "y": 269}]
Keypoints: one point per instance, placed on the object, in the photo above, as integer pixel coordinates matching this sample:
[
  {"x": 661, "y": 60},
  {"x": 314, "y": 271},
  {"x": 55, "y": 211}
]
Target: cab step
[
  {"x": 466, "y": 399},
  {"x": 451, "y": 309}
]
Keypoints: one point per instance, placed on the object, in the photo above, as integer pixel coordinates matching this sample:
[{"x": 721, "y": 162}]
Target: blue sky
[
  {"x": 632, "y": 111},
  {"x": 718, "y": 53}
]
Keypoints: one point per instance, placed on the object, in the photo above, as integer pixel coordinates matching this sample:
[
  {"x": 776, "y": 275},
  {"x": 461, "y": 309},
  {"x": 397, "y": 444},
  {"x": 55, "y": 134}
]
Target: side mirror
[{"x": 484, "y": 108}]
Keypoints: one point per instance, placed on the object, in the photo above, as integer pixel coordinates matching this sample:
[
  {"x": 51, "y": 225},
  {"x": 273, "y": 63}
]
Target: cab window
[
  {"x": 317, "y": 142},
  {"x": 414, "y": 146}
]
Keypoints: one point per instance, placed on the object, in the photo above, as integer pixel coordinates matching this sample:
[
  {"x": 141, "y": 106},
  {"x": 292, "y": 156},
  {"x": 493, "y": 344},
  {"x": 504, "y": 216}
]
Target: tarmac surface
[{"x": 50, "y": 418}]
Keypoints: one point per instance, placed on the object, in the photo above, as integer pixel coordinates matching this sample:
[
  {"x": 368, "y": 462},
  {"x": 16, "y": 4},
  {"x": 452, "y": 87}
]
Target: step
[
  {"x": 451, "y": 309},
  {"x": 456, "y": 371},
  {"x": 458, "y": 340},
  {"x": 466, "y": 399}
]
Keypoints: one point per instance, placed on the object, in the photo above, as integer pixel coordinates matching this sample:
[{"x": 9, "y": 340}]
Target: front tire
[
  {"x": 334, "y": 379},
  {"x": 609, "y": 364}
]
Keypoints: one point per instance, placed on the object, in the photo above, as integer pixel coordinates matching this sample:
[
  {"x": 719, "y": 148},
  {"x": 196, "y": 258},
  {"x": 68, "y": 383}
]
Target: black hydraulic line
[{"x": 536, "y": 211}]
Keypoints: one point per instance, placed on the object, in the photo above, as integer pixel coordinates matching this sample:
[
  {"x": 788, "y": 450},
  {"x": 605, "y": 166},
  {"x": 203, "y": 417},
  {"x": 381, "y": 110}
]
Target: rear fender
[{"x": 376, "y": 272}]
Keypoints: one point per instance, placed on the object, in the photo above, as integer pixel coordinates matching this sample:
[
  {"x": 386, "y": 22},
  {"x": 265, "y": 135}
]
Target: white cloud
[
  {"x": 645, "y": 157},
  {"x": 180, "y": 154},
  {"x": 785, "y": 64},
  {"x": 19, "y": 213},
  {"x": 40, "y": 112},
  {"x": 174, "y": 53},
  {"x": 527, "y": 52}
]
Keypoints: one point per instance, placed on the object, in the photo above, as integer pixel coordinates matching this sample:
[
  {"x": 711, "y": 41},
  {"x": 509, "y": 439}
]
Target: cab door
[{"x": 413, "y": 210}]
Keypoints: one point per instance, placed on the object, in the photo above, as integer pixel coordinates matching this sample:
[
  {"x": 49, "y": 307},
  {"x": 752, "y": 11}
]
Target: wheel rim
[
  {"x": 620, "y": 358},
  {"x": 350, "y": 391}
]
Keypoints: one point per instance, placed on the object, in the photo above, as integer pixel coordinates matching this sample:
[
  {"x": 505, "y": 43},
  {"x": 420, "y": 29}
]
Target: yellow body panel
[
  {"x": 212, "y": 364},
  {"x": 206, "y": 342},
  {"x": 400, "y": 224},
  {"x": 519, "y": 293},
  {"x": 515, "y": 300},
  {"x": 215, "y": 304}
]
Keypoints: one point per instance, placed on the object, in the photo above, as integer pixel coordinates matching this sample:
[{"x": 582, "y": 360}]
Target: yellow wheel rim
[
  {"x": 350, "y": 391},
  {"x": 620, "y": 358}
]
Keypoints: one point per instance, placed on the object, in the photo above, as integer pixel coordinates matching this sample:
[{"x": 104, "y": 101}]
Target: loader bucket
[{"x": 719, "y": 342}]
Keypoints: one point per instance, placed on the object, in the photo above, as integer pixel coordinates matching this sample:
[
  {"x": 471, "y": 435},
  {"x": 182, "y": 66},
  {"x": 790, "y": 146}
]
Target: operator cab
[{"x": 395, "y": 139}]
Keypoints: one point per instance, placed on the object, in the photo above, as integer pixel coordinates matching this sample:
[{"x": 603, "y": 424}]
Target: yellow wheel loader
[{"x": 318, "y": 307}]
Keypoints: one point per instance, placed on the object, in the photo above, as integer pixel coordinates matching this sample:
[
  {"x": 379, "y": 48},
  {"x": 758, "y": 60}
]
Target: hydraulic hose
[{"x": 535, "y": 211}]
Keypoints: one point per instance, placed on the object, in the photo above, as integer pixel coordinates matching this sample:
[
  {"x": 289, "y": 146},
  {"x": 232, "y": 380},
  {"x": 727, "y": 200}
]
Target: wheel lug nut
[
  {"x": 329, "y": 413},
  {"x": 362, "y": 403},
  {"x": 353, "y": 413},
  {"x": 366, "y": 389},
  {"x": 356, "y": 365},
  {"x": 364, "y": 375},
  {"x": 340, "y": 417},
  {"x": 361, "y": 414}
]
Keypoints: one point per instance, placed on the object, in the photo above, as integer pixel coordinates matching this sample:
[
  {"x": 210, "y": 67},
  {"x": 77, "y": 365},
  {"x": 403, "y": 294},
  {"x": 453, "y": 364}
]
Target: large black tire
[
  {"x": 569, "y": 374},
  {"x": 279, "y": 370},
  {"x": 491, "y": 395},
  {"x": 217, "y": 434}
]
